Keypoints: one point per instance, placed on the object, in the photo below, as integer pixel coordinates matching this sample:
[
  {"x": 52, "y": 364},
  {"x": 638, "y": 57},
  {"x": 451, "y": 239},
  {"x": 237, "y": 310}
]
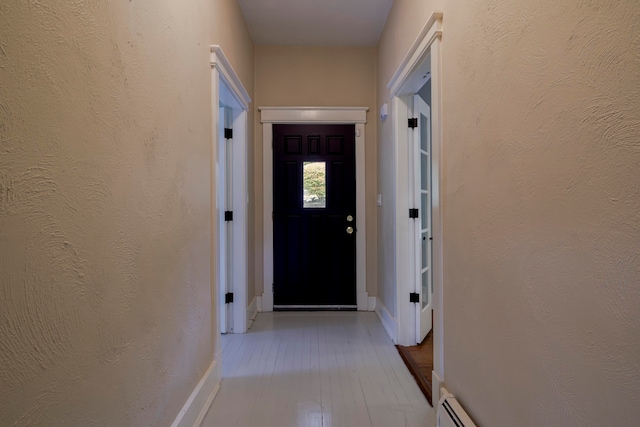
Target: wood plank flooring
[
  {"x": 419, "y": 361},
  {"x": 316, "y": 369}
]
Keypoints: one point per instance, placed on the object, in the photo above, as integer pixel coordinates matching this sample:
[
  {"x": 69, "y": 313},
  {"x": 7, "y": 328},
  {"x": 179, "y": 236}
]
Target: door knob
[
  {"x": 349, "y": 218},
  {"x": 349, "y": 230}
]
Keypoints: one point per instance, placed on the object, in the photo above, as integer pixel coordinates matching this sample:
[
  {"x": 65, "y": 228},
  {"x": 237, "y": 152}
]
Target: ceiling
[{"x": 316, "y": 22}]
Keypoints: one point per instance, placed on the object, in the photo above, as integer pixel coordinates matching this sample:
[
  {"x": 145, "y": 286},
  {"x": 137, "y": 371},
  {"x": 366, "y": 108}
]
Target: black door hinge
[
  {"x": 413, "y": 123},
  {"x": 228, "y": 215},
  {"x": 228, "y": 133},
  {"x": 228, "y": 297},
  {"x": 413, "y": 213},
  {"x": 414, "y": 297}
]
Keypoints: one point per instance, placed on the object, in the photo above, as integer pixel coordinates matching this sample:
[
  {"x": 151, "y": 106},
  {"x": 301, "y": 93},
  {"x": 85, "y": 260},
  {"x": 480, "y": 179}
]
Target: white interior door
[
  {"x": 225, "y": 201},
  {"x": 423, "y": 233}
]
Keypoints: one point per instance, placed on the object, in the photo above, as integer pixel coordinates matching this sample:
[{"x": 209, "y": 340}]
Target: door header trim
[
  {"x": 318, "y": 115},
  {"x": 220, "y": 62},
  {"x": 431, "y": 31}
]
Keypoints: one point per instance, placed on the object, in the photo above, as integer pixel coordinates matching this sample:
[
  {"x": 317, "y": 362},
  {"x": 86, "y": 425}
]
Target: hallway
[{"x": 316, "y": 369}]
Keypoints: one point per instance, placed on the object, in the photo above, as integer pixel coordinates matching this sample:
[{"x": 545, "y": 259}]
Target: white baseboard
[
  {"x": 372, "y": 303},
  {"x": 259, "y": 303},
  {"x": 252, "y": 311},
  {"x": 267, "y": 301},
  {"x": 386, "y": 318},
  {"x": 436, "y": 385},
  {"x": 195, "y": 409},
  {"x": 363, "y": 301}
]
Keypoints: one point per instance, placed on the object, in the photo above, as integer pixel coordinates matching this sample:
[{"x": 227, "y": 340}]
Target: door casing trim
[
  {"x": 313, "y": 115},
  {"x": 403, "y": 84},
  {"x": 227, "y": 88}
]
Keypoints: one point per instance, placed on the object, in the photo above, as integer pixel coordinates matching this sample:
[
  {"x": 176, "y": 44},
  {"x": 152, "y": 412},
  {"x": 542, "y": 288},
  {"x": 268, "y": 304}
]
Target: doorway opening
[
  {"x": 355, "y": 116},
  {"x": 232, "y": 220},
  {"x": 417, "y": 132},
  {"x": 230, "y": 103},
  {"x": 419, "y": 357}
]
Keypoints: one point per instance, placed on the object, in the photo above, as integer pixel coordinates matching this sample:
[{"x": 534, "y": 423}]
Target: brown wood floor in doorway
[{"x": 419, "y": 361}]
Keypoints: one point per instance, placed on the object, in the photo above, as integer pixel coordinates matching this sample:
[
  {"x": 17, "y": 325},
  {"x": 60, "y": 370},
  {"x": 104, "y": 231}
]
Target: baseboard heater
[{"x": 450, "y": 413}]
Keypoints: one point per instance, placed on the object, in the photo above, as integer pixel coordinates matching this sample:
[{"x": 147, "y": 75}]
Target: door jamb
[
  {"x": 427, "y": 46},
  {"x": 313, "y": 115}
]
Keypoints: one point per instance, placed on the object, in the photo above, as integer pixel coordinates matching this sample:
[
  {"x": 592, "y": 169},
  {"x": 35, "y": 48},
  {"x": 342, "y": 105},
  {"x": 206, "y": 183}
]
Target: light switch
[{"x": 379, "y": 199}]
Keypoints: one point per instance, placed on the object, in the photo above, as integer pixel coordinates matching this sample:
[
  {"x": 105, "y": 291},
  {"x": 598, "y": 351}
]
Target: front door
[{"x": 314, "y": 202}]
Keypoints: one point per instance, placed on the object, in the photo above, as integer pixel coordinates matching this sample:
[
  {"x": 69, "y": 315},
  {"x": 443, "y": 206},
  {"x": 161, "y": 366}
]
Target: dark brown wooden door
[{"x": 314, "y": 201}]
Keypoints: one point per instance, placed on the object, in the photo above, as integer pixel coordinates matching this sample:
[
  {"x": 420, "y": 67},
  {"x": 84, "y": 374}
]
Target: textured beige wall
[
  {"x": 105, "y": 136},
  {"x": 231, "y": 32},
  {"x": 318, "y": 77},
  {"x": 542, "y": 125},
  {"x": 541, "y": 207}
]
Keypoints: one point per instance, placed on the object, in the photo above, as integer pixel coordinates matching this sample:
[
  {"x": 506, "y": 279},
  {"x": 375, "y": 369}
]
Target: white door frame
[
  {"x": 314, "y": 115},
  {"x": 227, "y": 89},
  {"x": 425, "y": 52}
]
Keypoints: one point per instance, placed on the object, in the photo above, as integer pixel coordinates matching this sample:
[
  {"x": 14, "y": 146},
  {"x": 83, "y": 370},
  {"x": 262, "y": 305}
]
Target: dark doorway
[{"x": 314, "y": 200}]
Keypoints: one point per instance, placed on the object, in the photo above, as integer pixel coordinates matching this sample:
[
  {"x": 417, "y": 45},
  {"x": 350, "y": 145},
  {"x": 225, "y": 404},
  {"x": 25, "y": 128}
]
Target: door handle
[{"x": 349, "y": 230}]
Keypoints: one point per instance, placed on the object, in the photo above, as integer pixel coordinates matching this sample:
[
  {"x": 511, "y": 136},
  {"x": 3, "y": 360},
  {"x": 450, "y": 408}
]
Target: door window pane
[
  {"x": 424, "y": 133},
  {"x": 425, "y": 250},
  {"x": 314, "y": 188},
  {"x": 425, "y": 170},
  {"x": 425, "y": 211},
  {"x": 425, "y": 289}
]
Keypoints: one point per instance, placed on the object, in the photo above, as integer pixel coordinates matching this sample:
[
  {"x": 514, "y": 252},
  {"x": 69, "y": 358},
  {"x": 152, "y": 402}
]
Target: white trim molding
[
  {"x": 197, "y": 405},
  {"x": 432, "y": 30},
  {"x": 436, "y": 385},
  {"x": 388, "y": 321},
  {"x": 220, "y": 62},
  {"x": 314, "y": 115},
  {"x": 252, "y": 312}
]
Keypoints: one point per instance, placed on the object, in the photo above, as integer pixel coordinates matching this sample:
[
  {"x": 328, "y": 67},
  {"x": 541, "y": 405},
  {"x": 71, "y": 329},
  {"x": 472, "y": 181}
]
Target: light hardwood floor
[{"x": 316, "y": 369}]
